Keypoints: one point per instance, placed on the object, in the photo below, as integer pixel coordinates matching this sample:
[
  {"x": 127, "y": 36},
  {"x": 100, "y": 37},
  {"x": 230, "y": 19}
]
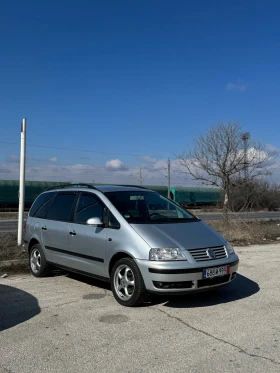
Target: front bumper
[{"x": 177, "y": 277}]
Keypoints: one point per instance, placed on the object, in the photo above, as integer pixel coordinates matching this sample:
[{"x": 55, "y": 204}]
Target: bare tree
[{"x": 218, "y": 156}]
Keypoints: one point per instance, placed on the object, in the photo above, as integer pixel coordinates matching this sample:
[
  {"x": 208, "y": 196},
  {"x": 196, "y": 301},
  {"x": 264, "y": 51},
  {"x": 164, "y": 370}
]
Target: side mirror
[{"x": 95, "y": 221}]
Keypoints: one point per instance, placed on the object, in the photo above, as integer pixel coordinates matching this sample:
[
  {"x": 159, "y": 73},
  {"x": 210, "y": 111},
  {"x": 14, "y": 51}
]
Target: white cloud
[
  {"x": 115, "y": 165},
  {"x": 147, "y": 159},
  {"x": 154, "y": 171},
  {"x": 33, "y": 170},
  {"x": 272, "y": 148},
  {"x": 12, "y": 158},
  {"x": 237, "y": 86},
  {"x": 4, "y": 170}
]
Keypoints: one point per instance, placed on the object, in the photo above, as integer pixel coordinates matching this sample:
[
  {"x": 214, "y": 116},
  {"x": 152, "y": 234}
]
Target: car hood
[{"x": 189, "y": 235}]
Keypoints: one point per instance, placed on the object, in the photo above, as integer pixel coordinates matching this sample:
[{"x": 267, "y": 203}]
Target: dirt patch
[
  {"x": 245, "y": 233},
  {"x": 18, "y": 268},
  {"x": 9, "y": 249}
]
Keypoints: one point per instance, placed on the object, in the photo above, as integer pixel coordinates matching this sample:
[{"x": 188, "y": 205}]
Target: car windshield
[{"x": 147, "y": 207}]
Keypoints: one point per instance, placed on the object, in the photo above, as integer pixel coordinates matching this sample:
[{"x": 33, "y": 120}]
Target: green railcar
[
  {"x": 163, "y": 190},
  {"x": 188, "y": 196},
  {"x": 9, "y": 191},
  {"x": 194, "y": 196}
]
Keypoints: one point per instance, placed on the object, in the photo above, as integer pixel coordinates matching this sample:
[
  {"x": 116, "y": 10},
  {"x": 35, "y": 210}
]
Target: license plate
[{"x": 215, "y": 272}]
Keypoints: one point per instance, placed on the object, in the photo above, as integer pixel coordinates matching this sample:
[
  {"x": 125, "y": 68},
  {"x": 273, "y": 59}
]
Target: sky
[{"x": 111, "y": 87}]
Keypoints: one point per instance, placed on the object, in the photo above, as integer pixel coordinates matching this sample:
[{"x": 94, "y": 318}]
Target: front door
[{"x": 87, "y": 243}]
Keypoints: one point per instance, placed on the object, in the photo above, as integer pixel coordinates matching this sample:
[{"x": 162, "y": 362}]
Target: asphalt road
[
  {"x": 241, "y": 215},
  {"x": 8, "y": 225},
  {"x": 73, "y": 324},
  {"x": 11, "y": 225}
]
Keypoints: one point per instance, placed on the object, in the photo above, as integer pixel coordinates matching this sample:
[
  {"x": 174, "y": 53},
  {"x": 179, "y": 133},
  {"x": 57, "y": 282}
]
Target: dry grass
[
  {"x": 10, "y": 215},
  {"x": 245, "y": 233},
  {"x": 9, "y": 249}
]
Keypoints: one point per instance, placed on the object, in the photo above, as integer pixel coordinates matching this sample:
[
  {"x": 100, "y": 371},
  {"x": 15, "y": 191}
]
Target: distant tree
[
  {"x": 218, "y": 157},
  {"x": 256, "y": 194}
]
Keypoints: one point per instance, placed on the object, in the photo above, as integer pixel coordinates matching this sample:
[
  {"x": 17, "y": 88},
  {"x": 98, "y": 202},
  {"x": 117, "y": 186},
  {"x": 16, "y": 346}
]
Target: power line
[
  {"x": 83, "y": 150},
  {"x": 83, "y": 172}
]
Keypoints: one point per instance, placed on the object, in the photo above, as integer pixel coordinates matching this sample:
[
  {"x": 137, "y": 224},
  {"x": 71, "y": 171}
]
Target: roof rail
[
  {"x": 76, "y": 185},
  {"x": 132, "y": 186}
]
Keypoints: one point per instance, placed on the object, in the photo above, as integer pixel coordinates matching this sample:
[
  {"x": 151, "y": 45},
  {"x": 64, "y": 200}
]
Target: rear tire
[
  {"x": 127, "y": 283},
  {"x": 37, "y": 261}
]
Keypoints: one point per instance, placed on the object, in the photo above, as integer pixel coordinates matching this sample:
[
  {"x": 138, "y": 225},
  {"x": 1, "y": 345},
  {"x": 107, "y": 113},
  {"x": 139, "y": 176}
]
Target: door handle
[
  {"x": 44, "y": 228},
  {"x": 73, "y": 233}
]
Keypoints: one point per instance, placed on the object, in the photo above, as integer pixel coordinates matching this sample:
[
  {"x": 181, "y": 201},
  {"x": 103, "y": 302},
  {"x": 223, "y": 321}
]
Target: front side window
[
  {"x": 62, "y": 206},
  {"x": 148, "y": 207},
  {"x": 88, "y": 207}
]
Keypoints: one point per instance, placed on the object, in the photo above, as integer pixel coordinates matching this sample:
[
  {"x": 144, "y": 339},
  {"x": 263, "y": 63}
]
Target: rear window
[{"x": 39, "y": 202}]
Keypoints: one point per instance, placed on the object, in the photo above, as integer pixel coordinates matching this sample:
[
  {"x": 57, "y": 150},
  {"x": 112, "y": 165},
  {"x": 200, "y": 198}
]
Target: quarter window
[
  {"x": 42, "y": 212},
  {"x": 113, "y": 223},
  {"x": 39, "y": 202}
]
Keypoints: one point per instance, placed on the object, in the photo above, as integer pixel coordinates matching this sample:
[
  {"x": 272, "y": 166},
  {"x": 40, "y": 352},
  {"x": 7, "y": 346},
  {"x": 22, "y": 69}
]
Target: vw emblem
[{"x": 211, "y": 253}]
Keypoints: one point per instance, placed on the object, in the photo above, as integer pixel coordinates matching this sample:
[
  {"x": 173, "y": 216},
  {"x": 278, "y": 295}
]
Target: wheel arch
[
  {"x": 116, "y": 257},
  {"x": 32, "y": 242}
]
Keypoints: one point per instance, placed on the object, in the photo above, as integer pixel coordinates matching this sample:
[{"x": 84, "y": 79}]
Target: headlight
[
  {"x": 229, "y": 248},
  {"x": 167, "y": 254}
]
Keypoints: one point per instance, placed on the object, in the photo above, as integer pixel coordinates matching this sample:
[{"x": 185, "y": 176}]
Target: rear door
[
  {"x": 87, "y": 243},
  {"x": 55, "y": 229}
]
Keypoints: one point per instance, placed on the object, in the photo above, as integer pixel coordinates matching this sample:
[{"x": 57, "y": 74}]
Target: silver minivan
[{"x": 132, "y": 237}]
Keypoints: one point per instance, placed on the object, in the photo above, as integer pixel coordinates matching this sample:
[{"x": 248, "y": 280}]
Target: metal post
[
  {"x": 168, "y": 178},
  {"x": 245, "y": 137},
  {"x": 21, "y": 181}
]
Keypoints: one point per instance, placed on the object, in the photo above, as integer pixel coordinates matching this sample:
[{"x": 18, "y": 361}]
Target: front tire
[
  {"x": 37, "y": 261},
  {"x": 127, "y": 283}
]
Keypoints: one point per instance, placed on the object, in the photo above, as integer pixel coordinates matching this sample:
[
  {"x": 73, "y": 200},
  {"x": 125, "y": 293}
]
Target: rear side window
[
  {"x": 62, "y": 206},
  {"x": 39, "y": 202},
  {"x": 88, "y": 207}
]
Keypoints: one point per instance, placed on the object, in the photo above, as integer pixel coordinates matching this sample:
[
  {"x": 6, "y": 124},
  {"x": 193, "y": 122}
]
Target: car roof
[{"x": 100, "y": 188}]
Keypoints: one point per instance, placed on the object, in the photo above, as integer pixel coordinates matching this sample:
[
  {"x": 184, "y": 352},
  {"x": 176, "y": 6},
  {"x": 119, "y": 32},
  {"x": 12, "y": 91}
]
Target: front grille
[
  {"x": 201, "y": 255},
  {"x": 212, "y": 281}
]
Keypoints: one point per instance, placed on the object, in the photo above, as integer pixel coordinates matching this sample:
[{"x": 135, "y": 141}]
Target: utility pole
[
  {"x": 21, "y": 181},
  {"x": 168, "y": 178},
  {"x": 245, "y": 137},
  {"x": 141, "y": 179}
]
